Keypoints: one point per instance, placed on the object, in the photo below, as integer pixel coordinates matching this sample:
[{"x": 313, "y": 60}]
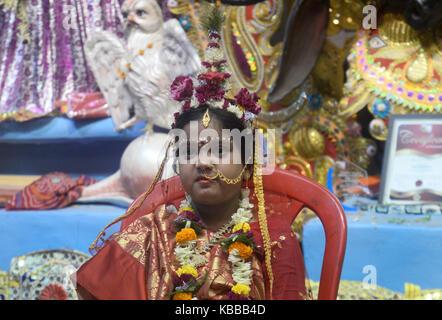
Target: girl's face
[{"x": 202, "y": 190}]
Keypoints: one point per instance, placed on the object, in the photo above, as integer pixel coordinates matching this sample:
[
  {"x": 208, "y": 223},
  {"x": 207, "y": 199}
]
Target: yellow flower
[
  {"x": 187, "y": 270},
  {"x": 186, "y": 234},
  {"x": 242, "y": 289},
  {"x": 244, "y": 250},
  {"x": 186, "y": 209},
  {"x": 242, "y": 225},
  {"x": 182, "y": 296}
]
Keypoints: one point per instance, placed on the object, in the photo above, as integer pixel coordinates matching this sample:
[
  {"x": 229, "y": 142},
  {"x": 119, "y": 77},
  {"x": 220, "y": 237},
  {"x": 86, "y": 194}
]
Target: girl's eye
[
  {"x": 224, "y": 149},
  {"x": 125, "y": 14},
  {"x": 188, "y": 152},
  {"x": 191, "y": 153}
]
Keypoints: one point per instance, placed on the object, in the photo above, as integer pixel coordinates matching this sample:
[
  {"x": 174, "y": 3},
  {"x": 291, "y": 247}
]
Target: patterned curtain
[{"x": 42, "y": 59}]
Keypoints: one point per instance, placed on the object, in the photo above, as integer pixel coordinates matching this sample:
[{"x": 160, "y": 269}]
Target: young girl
[{"x": 206, "y": 234}]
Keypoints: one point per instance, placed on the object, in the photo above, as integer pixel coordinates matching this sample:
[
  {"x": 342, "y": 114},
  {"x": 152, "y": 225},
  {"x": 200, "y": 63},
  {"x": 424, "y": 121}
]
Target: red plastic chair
[
  {"x": 297, "y": 187},
  {"x": 329, "y": 210}
]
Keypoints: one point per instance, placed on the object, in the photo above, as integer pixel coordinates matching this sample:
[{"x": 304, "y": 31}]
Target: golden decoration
[
  {"x": 328, "y": 73},
  {"x": 195, "y": 33},
  {"x": 363, "y": 150},
  {"x": 322, "y": 166},
  {"x": 393, "y": 70},
  {"x": 222, "y": 177},
  {"x": 236, "y": 29},
  {"x": 345, "y": 18},
  {"x": 262, "y": 218},
  {"x": 394, "y": 29},
  {"x": 301, "y": 219},
  {"x": 4, "y": 284},
  {"x": 266, "y": 19},
  {"x": 307, "y": 142},
  {"x": 414, "y": 292},
  {"x": 355, "y": 290},
  {"x": 345, "y": 14},
  {"x": 418, "y": 69},
  {"x": 206, "y": 118},
  {"x": 19, "y": 8},
  {"x": 297, "y": 164}
]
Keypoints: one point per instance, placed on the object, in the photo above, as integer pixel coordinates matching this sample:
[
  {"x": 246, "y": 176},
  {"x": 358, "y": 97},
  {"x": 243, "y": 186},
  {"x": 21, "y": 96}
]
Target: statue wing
[
  {"x": 105, "y": 53},
  {"x": 178, "y": 54}
]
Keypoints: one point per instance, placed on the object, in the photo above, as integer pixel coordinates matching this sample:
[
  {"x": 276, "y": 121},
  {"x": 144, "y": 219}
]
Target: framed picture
[{"x": 412, "y": 167}]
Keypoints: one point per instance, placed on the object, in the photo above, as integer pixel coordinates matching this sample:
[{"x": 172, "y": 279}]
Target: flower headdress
[{"x": 214, "y": 85}]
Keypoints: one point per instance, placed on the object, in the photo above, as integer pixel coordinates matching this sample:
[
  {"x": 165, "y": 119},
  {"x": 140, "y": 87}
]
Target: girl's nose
[
  {"x": 206, "y": 169},
  {"x": 205, "y": 163},
  {"x": 131, "y": 17}
]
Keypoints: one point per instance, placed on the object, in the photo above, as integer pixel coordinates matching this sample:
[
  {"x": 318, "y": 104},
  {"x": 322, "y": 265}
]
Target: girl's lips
[{"x": 203, "y": 180}]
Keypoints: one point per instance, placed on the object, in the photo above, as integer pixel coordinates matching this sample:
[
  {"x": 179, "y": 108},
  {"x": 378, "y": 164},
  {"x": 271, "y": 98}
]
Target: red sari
[{"x": 139, "y": 262}]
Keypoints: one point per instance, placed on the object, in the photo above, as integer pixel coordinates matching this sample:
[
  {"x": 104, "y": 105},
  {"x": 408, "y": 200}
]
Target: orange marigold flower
[
  {"x": 182, "y": 296},
  {"x": 186, "y": 234},
  {"x": 244, "y": 250}
]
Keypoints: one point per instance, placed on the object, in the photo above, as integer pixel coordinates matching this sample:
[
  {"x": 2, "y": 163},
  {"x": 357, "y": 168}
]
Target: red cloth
[
  {"x": 114, "y": 273},
  {"x": 84, "y": 105},
  {"x": 51, "y": 191}
]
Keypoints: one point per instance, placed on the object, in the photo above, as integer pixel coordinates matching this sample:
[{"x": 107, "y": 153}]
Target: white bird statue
[{"x": 134, "y": 75}]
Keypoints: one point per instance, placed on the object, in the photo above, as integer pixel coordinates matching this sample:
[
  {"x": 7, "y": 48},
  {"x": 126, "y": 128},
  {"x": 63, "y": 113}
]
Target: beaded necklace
[{"x": 239, "y": 244}]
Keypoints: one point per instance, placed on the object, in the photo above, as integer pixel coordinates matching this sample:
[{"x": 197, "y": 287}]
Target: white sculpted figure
[{"x": 134, "y": 74}]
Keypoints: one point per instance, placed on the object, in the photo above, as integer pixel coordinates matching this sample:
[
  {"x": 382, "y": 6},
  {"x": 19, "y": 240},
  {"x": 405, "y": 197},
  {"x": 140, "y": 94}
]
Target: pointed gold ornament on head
[{"x": 206, "y": 118}]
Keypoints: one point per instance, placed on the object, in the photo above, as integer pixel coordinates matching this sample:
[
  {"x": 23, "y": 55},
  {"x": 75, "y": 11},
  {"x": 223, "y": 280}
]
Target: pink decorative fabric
[{"x": 52, "y": 191}]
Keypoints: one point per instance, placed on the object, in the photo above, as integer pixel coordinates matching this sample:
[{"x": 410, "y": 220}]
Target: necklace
[{"x": 239, "y": 245}]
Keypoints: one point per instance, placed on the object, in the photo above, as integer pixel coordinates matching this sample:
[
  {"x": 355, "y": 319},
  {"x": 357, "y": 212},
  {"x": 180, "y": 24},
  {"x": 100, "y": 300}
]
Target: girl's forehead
[
  {"x": 195, "y": 131},
  {"x": 213, "y": 123},
  {"x": 204, "y": 140}
]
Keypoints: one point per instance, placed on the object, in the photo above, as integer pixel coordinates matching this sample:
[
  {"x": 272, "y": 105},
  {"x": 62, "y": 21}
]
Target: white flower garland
[{"x": 189, "y": 256}]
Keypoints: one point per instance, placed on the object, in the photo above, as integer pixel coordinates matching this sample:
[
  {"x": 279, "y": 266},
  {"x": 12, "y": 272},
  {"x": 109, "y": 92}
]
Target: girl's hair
[{"x": 227, "y": 119}]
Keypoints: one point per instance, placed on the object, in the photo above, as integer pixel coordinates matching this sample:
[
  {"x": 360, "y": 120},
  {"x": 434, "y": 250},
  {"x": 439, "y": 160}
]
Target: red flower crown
[{"x": 213, "y": 86}]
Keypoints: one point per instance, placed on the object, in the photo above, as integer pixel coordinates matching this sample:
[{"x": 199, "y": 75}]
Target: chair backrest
[
  {"x": 313, "y": 196},
  {"x": 332, "y": 216}
]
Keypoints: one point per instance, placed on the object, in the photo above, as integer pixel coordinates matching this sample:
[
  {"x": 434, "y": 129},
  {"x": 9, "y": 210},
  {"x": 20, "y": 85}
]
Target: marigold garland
[
  {"x": 182, "y": 296},
  {"x": 244, "y": 250},
  {"x": 241, "y": 289},
  {"x": 244, "y": 226},
  {"x": 186, "y": 234},
  {"x": 239, "y": 245},
  {"x": 187, "y": 270}
]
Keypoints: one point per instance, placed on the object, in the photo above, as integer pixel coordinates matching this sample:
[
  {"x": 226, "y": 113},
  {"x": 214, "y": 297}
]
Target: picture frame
[{"x": 412, "y": 163}]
